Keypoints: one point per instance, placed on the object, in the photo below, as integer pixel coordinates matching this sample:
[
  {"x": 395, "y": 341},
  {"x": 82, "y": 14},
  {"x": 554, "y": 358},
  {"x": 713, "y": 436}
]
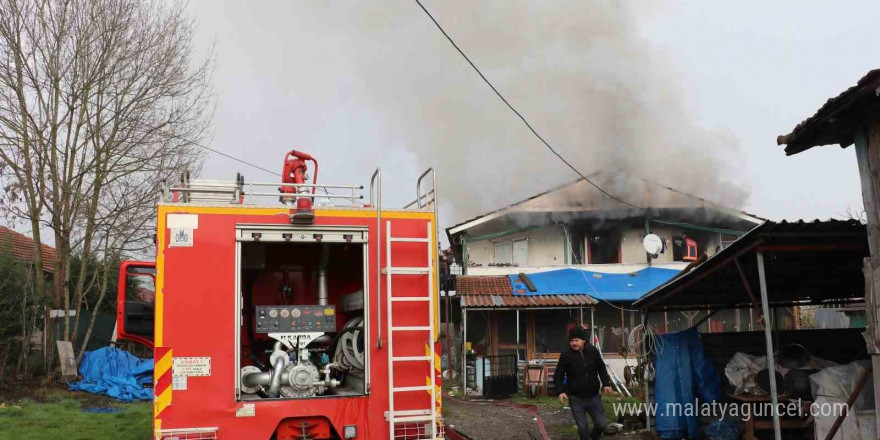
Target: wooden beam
[
  {"x": 849, "y": 403},
  {"x": 745, "y": 281},
  {"x": 867, "y": 146},
  {"x": 726, "y": 306},
  {"x": 811, "y": 248}
]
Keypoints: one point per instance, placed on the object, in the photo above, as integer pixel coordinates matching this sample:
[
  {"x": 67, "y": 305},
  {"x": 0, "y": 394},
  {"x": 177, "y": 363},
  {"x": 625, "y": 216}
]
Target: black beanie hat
[{"x": 577, "y": 332}]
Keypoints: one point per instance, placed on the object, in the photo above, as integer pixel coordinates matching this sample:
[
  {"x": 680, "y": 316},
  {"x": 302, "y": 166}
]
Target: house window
[
  {"x": 516, "y": 252},
  {"x": 727, "y": 240},
  {"x": 503, "y": 253},
  {"x": 521, "y": 252}
]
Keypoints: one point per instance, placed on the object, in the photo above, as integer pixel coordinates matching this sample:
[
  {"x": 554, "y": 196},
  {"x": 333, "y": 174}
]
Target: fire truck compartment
[{"x": 301, "y": 296}]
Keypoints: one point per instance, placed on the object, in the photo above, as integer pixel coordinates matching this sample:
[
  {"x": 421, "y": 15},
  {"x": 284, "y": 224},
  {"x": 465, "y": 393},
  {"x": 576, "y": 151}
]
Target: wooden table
[{"x": 751, "y": 425}]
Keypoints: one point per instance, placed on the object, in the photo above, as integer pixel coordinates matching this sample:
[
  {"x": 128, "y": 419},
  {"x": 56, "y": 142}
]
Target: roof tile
[
  {"x": 23, "y": 248},
  {"x": 496, "y": 291}
]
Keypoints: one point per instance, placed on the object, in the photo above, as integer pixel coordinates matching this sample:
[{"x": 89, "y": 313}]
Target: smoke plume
[{"x": 603, "y": 94}]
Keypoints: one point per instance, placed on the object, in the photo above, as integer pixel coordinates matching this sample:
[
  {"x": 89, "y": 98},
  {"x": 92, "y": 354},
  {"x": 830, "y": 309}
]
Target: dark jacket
[{"x": 583, "y": 369}]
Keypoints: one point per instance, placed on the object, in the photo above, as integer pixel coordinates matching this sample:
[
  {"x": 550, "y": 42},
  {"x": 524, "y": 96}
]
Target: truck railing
[
  {"x": 353, "y": 197},
  {"x": 207, "y": 191},
  {"x": 375, "y": 190},
  {"x": 428, "y": 198}
]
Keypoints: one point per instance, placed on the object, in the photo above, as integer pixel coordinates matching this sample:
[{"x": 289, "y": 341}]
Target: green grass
[{"x": 61, "y": 417}]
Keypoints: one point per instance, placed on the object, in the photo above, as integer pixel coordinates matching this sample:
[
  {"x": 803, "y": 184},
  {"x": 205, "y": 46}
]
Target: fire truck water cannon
[{"x": 295, "y": 172}]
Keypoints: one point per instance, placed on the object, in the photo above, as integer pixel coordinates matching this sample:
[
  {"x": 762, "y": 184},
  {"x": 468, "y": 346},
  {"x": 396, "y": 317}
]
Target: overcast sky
[{"x": 361, "y": 85}]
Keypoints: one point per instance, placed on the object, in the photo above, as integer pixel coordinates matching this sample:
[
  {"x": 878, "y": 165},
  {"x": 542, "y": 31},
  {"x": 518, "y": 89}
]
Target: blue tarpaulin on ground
[
  {"x": 685, "y": 380},
  {"x": 116, "y": 373},
  {"x": 603, "y": 286}
]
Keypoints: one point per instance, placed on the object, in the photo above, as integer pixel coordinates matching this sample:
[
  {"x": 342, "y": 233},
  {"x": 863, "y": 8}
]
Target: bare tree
[{"x": 99, "y": 101}]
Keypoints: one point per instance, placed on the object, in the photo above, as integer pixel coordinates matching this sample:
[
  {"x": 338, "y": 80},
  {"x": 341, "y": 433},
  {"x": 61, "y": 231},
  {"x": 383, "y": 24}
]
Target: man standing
[{"x": 583, "y": 367}]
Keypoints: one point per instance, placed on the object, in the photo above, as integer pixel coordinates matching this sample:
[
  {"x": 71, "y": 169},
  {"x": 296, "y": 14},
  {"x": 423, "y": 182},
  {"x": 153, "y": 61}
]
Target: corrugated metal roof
[
  {"x": 23, "y": 248},
  {"x": 497, "y": 292},
  {"x": 831, "y": 124},
  {"x": 805, "y": 262},
  {"x": 510, "y": 301}
]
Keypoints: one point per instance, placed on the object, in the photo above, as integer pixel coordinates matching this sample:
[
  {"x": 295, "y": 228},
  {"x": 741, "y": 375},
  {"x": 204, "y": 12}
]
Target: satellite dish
[{"x": 653, "y": 244}]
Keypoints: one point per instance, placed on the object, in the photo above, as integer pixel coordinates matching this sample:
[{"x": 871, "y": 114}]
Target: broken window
[
  {"x": 477, "y": 332},
  {"x": 551, "y": 334},
  {"x": 507, "y": 327},
  {"x": 604, "y": 248},
  {"x": 609, "y": 331}
]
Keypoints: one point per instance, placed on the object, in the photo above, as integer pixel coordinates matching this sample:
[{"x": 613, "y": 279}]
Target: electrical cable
[
  {"x": 205, "y": 147},
  {"x": 528, "y": 125}
]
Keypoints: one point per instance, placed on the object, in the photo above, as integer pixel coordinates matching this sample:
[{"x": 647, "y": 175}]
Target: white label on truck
[
  {"x": 182, "y": 221},
  {"x": 178, "y": 382},
  {"x": 191, "y": 366},
  {"x": 181, "y": 238},
  {"x": 246, "y": 410}
]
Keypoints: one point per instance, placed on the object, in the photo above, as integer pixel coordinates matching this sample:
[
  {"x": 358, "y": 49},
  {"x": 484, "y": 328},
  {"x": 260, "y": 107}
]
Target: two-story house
[{"x": 583, "y": 262}]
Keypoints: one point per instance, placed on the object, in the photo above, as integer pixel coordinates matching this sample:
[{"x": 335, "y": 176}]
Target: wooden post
[
  {"x": 464, "y": 342},
  {"x": 642, "y": 379},
  {"x": 517, "y": 338},
  {"x": 872, "y": 332},
  {"x": 768, "y": 338},
  {"x": 742, "y": 276},
  {"x": 592, "y": 327},
  {"x": 867, "y": 147}
]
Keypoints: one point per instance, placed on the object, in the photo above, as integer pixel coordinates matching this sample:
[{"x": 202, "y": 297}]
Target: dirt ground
[
  {"x": 489, "y": 421},
  {"x": 42, "y": 393}
]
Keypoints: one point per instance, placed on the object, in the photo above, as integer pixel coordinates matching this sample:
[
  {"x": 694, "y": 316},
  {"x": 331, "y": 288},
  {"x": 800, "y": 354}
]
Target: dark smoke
[{"x": 603, "y": 94}]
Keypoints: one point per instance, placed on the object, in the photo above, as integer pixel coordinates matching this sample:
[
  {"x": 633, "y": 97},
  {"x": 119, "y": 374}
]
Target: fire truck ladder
[{"x": 403, "y": 420}]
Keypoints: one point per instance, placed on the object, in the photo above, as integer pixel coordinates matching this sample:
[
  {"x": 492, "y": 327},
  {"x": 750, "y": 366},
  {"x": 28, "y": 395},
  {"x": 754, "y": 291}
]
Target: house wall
[
  {"x": 632, "y": 251},
  {"x": 713, "y": 242},
  {"x": 546, "y": 245}
]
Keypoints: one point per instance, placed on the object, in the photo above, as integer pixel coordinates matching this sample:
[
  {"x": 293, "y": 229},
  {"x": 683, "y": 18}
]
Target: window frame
[{"x": 512, "y": 256}]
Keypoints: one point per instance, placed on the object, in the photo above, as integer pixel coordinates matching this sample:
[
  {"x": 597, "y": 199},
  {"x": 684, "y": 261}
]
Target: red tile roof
[
  {"x": 23, "y": 248},
  {"x": 497, "y": 292},
  {"x": 483, "y": 285}
]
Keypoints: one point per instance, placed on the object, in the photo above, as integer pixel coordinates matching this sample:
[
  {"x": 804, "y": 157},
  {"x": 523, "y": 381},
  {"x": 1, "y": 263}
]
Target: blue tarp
[
  {"x": 603, "y": 286},
  {"x": 116, "y": 373},
  {"x": 685, "y": 380}
]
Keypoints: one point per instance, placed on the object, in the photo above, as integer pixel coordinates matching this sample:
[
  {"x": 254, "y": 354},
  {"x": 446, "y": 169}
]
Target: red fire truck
[{"x": 310, "y": 315}]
